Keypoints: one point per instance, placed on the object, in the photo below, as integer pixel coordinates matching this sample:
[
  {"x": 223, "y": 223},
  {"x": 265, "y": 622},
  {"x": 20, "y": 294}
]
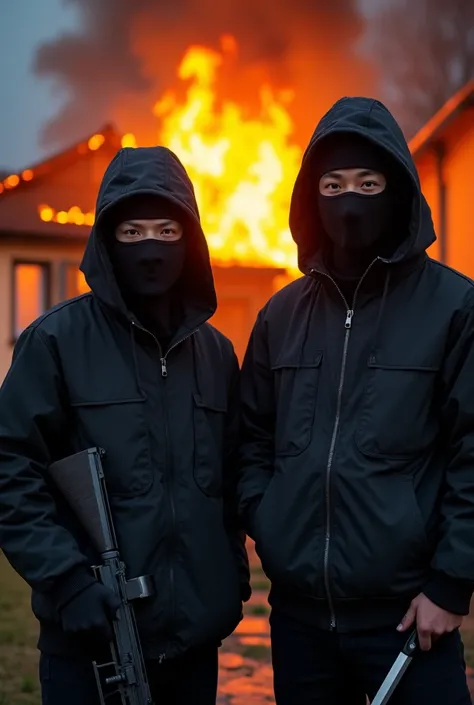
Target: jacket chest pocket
[
  {"x": 296, "y": 388},
  {"x": 119, "y": 427},
  {"x": 209, "y": 431},
  {"x": 398, "y": 412}
]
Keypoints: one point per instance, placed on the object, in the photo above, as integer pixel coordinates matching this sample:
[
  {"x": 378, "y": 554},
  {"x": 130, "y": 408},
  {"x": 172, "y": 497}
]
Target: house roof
[
  {"x": 435, "y": 127},
  {"x": 57, "y": 196}
]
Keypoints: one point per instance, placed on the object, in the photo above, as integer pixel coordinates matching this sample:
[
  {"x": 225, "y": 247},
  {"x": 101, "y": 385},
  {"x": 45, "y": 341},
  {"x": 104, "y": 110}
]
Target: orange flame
[{"x": 242, "y": 166}]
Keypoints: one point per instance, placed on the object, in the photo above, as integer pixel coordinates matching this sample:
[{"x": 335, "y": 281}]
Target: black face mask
[
  {"x": 149, "y": 268},
  {"x": 354, "y": 221}
]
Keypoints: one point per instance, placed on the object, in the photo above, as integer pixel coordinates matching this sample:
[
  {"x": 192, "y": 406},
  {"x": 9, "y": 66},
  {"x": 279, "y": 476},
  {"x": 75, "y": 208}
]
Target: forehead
[{"x": 357, "y": 172}]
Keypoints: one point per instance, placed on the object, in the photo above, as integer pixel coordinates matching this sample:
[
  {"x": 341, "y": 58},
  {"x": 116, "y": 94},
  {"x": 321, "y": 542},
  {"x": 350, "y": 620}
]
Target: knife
[{"x": 399, "y": 667}]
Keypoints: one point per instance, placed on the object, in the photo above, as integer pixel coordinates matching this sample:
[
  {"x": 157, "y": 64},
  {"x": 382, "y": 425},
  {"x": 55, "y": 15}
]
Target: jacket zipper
[
  {"x": 327, "y": 538},
  {"x": 164, "y": 364},
  {"x": 168, "y": 468}
]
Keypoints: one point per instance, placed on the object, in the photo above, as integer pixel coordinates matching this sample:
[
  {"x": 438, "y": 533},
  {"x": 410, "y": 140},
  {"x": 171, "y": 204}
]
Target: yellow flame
[{"x": 243, "y": 168}]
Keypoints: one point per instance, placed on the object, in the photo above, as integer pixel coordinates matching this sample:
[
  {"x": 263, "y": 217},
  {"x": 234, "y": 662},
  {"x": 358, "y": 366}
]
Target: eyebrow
[
  {"x": 163, "y": 223},
  {"x": 362, "y": 172}
]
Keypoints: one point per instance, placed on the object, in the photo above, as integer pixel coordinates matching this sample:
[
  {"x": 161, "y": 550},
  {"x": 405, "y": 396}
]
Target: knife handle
[{"x": 412, "y": 645}]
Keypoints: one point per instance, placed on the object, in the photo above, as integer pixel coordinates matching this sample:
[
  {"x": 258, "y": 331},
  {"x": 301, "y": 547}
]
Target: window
[
  {"x": 30, "y": 296},
  {"x": 73, "y": 282}
]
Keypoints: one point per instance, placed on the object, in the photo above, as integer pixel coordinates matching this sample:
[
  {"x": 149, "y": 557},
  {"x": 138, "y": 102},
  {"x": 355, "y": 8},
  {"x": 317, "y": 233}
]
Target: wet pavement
[{"x": 245, "y": 676}]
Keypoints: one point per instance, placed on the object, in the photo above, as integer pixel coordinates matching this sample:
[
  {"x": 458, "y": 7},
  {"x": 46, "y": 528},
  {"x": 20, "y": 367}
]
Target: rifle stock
[{"x": 80, "y": 479}]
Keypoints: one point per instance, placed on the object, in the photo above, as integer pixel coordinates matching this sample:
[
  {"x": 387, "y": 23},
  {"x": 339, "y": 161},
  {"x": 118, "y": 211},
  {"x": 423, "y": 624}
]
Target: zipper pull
[
  {"x": 349, "y": 315},
  {"x": 164, "y": 368}
]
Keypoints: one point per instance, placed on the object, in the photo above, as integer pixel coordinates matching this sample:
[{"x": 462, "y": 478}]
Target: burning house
[
  {"x": 243, "y": 168},
  {"x": 45, "y": 216}
]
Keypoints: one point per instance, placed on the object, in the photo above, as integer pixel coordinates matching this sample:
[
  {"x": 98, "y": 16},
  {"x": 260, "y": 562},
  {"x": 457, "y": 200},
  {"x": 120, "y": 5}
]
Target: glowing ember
[
  {"x": 129, "y": 140},
  {"x": 11, "y": 181},
  {"x": 74, "y": 216},
  {"x": 27, "y": 175},
  {"x": 96, "y": 141}
]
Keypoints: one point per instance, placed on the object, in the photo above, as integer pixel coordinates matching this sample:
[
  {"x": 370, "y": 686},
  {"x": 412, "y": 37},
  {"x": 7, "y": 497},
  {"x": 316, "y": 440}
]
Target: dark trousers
[
  {"x": 315, "y": 667},
  {"x": 191, "y": 678}
]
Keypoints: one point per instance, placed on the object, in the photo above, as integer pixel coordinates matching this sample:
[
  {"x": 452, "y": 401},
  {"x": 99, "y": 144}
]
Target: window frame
[
  {"x": 45, "y": 266},
  {"x": 63, "y": 278}
]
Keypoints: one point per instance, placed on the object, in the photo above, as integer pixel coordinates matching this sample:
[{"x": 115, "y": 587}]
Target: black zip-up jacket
[
  {"x": 357, "y": 476},
  {"x": 86, "y": 374}
]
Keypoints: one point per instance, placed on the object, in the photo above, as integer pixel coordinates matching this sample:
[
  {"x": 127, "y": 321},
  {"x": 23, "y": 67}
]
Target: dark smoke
[{"x": 127, "y": 51}]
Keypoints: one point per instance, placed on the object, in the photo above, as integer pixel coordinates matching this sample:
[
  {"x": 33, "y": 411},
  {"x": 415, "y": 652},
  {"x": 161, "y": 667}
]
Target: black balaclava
[
  {"x": 359, "y": 226},
  {"x": 148, "y": 271}
]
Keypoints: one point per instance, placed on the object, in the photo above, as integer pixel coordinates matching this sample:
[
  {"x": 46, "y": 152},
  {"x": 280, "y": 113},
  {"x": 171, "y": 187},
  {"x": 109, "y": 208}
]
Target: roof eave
[{"x": 433, "y": 130}]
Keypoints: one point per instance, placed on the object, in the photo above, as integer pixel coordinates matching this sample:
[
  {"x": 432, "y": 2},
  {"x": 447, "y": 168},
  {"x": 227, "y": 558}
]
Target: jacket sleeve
[
  {"x": 237, "y": 537},
  {"x": 31, "y": 415},
  {"x": 452, "y": 581},
  {"x": 258, "y": 425}
]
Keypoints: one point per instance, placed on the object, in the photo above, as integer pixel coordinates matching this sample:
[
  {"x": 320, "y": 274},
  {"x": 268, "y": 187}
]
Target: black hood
[
  {"x": 370, "y": 119},
  {"x": 151, "y": 171}
]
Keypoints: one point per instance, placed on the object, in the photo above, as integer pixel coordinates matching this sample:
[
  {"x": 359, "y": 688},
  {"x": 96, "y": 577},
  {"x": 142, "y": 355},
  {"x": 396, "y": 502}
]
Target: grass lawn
[{"x": 18, "y": 633}]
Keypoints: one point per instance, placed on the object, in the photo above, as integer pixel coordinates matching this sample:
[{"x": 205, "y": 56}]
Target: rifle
[{"x": 80, "y": 478}]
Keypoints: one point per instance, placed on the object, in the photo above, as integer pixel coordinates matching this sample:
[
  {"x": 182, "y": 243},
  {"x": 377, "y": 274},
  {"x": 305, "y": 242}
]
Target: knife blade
[{"x": 400, "y": 665}]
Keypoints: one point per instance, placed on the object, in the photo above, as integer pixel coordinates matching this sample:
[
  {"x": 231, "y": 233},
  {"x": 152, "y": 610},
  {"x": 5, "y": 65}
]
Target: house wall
[
  {"x": 241, "y": 291},
  {"x": 460, "y": 195},
  {"x": 36, "y": 252},
  {"x": 458, "y": 145},
  {"x": 429, "y": 183}
]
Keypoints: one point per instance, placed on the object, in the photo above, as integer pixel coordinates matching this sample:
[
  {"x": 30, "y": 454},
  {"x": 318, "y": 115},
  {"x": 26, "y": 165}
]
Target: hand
[
  {"x": 92, "y": 610},
  {"x": 431, "y": 621}
]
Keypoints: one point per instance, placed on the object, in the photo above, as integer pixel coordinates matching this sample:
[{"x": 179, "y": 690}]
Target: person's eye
[
  {"x": 170, "y": 233},
  {"x": 332, "y": 186},
  {"x": 131, "y": 232},
  {"x": 369, "y": 184}
]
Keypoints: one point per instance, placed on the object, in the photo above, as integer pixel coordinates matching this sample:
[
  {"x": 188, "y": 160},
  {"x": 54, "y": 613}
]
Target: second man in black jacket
[{"x": 358, "y": 410}]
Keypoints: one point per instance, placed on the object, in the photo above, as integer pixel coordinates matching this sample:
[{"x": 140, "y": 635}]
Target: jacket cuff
[
  {"x": 71, "y": 584},
  {"x": 450, "y": 594},
  {"x": 250, "y": 514}
]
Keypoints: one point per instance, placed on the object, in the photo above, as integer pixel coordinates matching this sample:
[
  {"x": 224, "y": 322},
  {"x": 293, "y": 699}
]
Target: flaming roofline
[
  {"x": 108, "y": 135},
  {"x": 433, "y": 130}
]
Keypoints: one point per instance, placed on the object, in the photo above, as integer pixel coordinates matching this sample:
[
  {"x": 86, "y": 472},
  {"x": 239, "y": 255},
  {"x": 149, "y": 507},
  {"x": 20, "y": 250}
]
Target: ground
[{"x": 245, "y": 674}]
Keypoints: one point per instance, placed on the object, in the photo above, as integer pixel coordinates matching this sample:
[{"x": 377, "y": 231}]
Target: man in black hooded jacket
[
  {"x": 358, "y": 412},
  {"x": 133, "y": 368}
]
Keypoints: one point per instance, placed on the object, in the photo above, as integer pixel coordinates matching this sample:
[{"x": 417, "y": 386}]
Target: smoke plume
[{"x": 126, "y": 53}]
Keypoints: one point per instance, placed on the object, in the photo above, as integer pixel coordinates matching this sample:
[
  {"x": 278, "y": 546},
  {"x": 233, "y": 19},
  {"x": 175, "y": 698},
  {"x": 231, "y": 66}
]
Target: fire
[
  {"x": 74, "y": 216},
  {"x": 243, "y": 166}
]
